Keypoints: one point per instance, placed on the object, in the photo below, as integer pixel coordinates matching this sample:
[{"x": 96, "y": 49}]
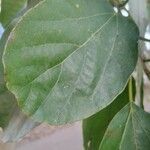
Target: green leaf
[
  {"x": 6, "y": 108},
  {"x": 66, "y": 60},
  {"x": 7, "y": 100},
  {"x": 129, "y": 130},
  {"x": 14, "y": 123},
  {"x": 94, "y": 127},
  {"x": 9, "y": 10}
]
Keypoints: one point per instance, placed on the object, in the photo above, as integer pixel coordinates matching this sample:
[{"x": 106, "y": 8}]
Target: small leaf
[
  {"x": 66, "y": 60},
  {"x": 129, "y": 130},
  {"x": 9, "y": 9},
  {"x": 94, "y": 127}
]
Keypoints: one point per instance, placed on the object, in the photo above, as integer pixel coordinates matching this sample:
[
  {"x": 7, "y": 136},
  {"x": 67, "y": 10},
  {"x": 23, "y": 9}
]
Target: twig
[{"x": 144, "y": 39}]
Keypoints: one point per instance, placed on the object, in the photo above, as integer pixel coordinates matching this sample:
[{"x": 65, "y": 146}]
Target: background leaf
[
  {"x": 94, "y": 127},
  {"x": 128, "y": 130},
  {"x": 14, "y": 123},
  {"x": 7, "y": 100},
  {"x": 65, "y": 61},
  {"x": 9, "y": 9}
]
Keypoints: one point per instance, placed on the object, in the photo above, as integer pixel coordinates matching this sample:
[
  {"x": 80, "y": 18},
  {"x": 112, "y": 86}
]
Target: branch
[{"x": 144, "y": 39}]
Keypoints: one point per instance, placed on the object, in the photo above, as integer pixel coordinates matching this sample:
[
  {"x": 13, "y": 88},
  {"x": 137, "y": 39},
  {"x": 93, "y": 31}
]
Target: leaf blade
[
  {"x": 129, "y": 134},
  {"x": 95, "y": 127},
  {"x": 62, "y": 79}
]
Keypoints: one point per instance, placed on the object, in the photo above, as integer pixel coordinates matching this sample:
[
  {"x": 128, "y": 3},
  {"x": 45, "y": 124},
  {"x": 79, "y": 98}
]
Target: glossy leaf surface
[{"x": 66, "y": 60}]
